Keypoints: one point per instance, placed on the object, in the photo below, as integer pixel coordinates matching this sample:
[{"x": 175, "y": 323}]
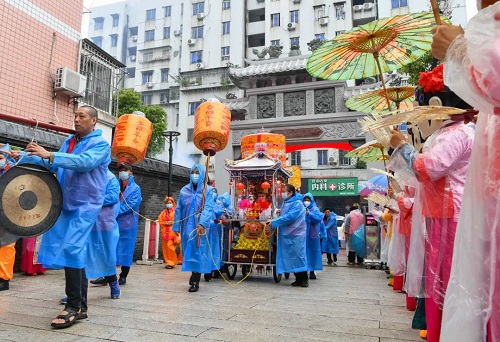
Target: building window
[
  {"x": 151, "y": 14},
  {"x": 320, "y": 36},
  {"x": 338, "y": 33},
  {"x": 295, "y": 158},
  {"x": 98, "y": 24},
  {"x": 196, "y": 57},
  {"x": 275, "y": 42},
  {"x": 133, "y": 31},
  {"x": 275, "y": 20},
  {"x": 116, "y": 19},
  {"x": 294, "y": 41},
  {"x": 197, "y": 32},
  {"x": 319, "y": 12},
  {"x": 164, "y": 96},
  {"x": 147, "y": 76},
  {"x": 97, "y": 41},
  {"x": 168, "y": 11},
  {"x": 192, "y": 107},
  {"x": 226, "y": 27},
  {"x": 131, "y": 72},
  {"x": 149, "y": 35},
  {"x": 147, "y": 56},
  {"x": 294, "y": 16},
  {"x": 166, "y": 32},
  {"x": 399, "y": 3},
  {"x": 190, "y": 134},
  {"x": 226, "y": 4},
  {"x": 225, "y": 51},
  {"x": 147, "y": 99},
  {"x": 322, "y": 157},
  {"x": 340, "y": 11},
  {"x": 343, "y": 160},
  {"x": 198, "y": 7},
  {"x": 164, "y": 75},
  {"x": 114, "y": 40}
]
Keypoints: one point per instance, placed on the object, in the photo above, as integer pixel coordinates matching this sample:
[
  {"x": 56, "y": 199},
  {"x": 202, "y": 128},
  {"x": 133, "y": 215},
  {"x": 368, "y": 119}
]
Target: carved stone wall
[
  {"x": 324, "y": 101},
  {"x": 339, "y": 100},
  {"x": 279, "y": 105},
  {"x": 252, "y": 104},
  {"x": 266, "y": 106},
  {"x": 309, "y": 102},
  {"x": 295, "y": 103}
]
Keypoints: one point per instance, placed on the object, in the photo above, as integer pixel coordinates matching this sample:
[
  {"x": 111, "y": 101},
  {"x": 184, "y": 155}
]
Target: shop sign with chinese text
[{"x": 333, "y": 186}]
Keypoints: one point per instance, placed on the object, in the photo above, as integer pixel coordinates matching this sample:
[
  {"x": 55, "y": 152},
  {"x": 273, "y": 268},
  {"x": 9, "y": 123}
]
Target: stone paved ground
[{"x": 344, "y": 304}]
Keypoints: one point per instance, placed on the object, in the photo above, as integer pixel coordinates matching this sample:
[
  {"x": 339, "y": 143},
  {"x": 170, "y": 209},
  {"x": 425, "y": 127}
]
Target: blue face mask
[
  {"x": 284, "y": 195},
  {"x": 3, "y": 164},
  {"x": 123, "y": 175},
  {"x": 194, "y": 178}
]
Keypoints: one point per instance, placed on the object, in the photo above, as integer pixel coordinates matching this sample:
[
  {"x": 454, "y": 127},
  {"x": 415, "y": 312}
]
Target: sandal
[
  {"x": 67, "y": 318},
  {"x": 83, "y": 315}
]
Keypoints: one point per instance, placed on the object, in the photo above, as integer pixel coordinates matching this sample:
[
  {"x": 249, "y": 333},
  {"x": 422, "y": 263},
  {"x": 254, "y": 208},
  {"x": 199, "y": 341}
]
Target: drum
[{"x": 30, "y": 200}]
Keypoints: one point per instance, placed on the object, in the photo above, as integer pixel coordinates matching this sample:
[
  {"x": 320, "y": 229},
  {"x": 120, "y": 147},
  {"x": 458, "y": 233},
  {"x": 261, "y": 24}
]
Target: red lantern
[
  {"x": 240, "y": 187},
  {"x": 265, "y": 186}
]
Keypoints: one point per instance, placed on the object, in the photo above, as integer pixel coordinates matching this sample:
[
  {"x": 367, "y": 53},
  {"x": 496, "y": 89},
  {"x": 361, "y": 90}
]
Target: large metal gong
[{"x": 30, "y": 200}]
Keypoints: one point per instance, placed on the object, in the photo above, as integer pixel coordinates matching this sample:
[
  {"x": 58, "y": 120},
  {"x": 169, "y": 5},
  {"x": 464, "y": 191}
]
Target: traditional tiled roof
[
  {"x": 269, "y": 66},
  {"x": 234, "y": 104}
]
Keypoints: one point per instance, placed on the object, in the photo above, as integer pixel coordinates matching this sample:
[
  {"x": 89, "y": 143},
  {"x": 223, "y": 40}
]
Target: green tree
[
  {"x": 424, "y": 63},
  {"x": 131, "y": 101}
]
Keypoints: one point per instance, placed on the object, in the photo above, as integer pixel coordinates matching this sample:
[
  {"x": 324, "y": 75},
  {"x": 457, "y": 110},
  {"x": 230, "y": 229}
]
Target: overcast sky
[{"x": 471, "y": 4}]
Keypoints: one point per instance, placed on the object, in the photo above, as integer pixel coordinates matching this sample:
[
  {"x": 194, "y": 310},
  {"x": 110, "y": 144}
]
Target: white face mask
[
  {"x": 123, "y": 175},
  {"x": 307, "y": 203},
  {"x": 3, "y": 164},
  {"x": 169, "y": 205}
]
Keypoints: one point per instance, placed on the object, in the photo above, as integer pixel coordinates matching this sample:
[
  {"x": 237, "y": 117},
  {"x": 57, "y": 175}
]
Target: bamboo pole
[{"x": 435, "y": 10}]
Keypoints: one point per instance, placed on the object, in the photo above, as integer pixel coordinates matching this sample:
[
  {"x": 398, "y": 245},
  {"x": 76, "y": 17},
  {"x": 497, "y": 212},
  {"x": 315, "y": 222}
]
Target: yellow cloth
[{"x": 7, "y": 258}]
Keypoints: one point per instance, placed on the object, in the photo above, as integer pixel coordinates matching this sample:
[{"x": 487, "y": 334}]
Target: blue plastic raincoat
[
  {"x": 314, "y": 224},
  {"x": 223, "y": 202},
  {"x": 101, "y": 252},
  {"x": 196, "y": 259},
  {"x": 291, "y": 254},
  {"x": 82, "y": 175},
  {"x": 128, "y": 222},
  {"x": 330, "y": 244}
]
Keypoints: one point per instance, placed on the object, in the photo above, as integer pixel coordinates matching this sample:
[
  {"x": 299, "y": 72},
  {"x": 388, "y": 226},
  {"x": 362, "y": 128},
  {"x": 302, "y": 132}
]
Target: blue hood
[
  {"x": 313, "y": 202},
  {"x": 201, "y": 170}
]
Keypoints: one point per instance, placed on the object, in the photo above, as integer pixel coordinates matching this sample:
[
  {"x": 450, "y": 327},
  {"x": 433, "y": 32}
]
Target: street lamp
[{"x": 170, "y": 135}]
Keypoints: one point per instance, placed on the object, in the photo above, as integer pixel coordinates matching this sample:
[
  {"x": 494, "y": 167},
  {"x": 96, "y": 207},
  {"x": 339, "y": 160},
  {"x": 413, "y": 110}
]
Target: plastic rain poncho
[
  {"x": 330, "y": 243},
  {"x": 440, "y": 170},
  {"x": 188, "y": 217},
  {"x": 128, "y": 222},
  {"x": 101, "y": 251},
  {"x": 291, "y": 256},
  {"x": 314, "y": 218},
  {"x": 6, "y": 238},
  {"x": 82, "y": 176},
  {"x": 472, "y": 71},
  {"x": 221, "y": 208},
  {"x": 227, "y": 212}
]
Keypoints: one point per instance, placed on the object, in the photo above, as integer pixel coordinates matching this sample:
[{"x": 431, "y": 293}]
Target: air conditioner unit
[
  {"x": 225, "y": 58},
  {"x": 323, "y": 21},
  {"x": 191, "y": 42},
  {"x": 200, "y": 66},
  {"x": 163, "y": 101},
  {"x": 134, "y": 38},
  {"x": 70, "y": 82},
  {"x": 177, "y": 33},
  {"x": 149, "y": 84},
  {"x": 332, "y": 161},
  {"x": 132, "y": 58},
  {"x": 368, "y": 5},
  {"x": 200, "y": 16},
  {"x": 358, "y": 7},
  {"x": 291, "y": 26}
]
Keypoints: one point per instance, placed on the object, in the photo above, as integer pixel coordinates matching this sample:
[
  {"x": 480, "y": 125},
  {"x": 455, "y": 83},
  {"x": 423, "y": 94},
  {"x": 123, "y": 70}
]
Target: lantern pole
[{"x": 170, "y": 135}]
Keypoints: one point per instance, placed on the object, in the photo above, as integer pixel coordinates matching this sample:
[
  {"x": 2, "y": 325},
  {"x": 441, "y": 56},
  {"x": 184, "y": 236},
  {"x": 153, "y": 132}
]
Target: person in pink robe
[
  {"x": 472, "y": 70},
  {"x": 441, "y": 172},
  {"x": 29, "y": 263}
]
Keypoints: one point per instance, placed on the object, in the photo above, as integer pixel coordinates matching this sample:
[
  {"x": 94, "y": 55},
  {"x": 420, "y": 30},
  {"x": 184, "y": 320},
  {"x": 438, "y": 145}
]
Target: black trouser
[
  {"x": 195, "y": 277},
  {"x": 76, "y": 288},
  {"x": 125, "y": 270},
  {"x": 111, "y": 278},
  {"x": 301, "y": 276},
  {"x": 329, "y": 257},
  {"x": 352, "y": 257}
]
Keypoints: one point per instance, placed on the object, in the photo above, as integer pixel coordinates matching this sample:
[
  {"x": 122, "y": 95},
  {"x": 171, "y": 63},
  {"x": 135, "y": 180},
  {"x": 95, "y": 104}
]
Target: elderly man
[{"x": 81, "y": 165}]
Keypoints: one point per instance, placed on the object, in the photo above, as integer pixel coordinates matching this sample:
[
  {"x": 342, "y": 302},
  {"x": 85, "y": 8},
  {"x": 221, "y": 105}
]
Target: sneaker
[
  {"x": 4, "y": 285},
  {"x": 115, "y": 290},
  {"x": 99, "y": 281},
  {"x": 168, "y": 267},
  {"x": 122, "y": 281},
  {"x": 296, "y": 283},
  {"x": 312, "y": 275},
  {"x": 63, "y": 300},
  {"x": 305, "y": 283}
]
